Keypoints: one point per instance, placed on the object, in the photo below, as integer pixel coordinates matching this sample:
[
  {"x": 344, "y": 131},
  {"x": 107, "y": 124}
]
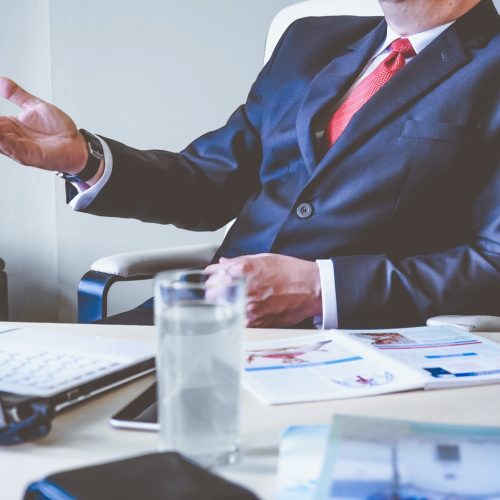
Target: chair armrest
[
  {"x": 95, "y": 284},
  {"x": 149, "y": 262},
  {"x": 470, "y": 323}
]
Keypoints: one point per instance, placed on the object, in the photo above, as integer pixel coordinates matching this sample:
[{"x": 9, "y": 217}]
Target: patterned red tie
[{"x": 400, "y": 50}]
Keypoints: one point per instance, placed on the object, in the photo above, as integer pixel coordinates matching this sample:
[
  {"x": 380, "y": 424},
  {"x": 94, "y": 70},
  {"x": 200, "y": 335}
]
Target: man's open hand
[
  {"x": 41, "y": 135},
  {"x": 281, "y": 290}
]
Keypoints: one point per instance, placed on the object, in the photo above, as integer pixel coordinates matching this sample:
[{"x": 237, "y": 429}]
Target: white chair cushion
[{"x": 150, "y": 262}]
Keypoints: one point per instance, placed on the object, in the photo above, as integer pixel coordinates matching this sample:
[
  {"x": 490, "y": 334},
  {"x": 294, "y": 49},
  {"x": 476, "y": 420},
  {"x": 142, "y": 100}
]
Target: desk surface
[{"x": 82, "y": 435}]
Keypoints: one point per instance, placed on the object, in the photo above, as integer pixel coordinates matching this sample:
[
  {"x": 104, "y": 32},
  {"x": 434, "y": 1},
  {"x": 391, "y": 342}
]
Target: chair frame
[
  {"x": 93, "y": 291},
  {"x": 95, "y": 284},
  {"x": 4, "y": 298}
]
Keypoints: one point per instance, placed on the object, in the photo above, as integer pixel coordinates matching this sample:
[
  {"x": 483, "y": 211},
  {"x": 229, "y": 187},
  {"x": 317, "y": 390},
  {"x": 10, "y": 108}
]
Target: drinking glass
[{"x": 200, "y": 318}]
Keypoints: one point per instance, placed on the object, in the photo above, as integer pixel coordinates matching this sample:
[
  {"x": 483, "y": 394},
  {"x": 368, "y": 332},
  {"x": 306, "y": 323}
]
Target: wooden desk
[{"x": 82, "y": 435}]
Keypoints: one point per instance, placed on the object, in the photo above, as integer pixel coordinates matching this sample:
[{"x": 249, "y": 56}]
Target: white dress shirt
[{"x": 329, "y": 319}]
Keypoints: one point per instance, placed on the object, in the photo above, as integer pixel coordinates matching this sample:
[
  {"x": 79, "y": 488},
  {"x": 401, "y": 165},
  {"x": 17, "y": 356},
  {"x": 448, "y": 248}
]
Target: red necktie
[{"x": 400, "y": 50}]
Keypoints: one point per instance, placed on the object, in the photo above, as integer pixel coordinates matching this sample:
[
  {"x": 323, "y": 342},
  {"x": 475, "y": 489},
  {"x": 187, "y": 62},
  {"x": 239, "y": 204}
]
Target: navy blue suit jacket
[{"x": 406, "y": 202}]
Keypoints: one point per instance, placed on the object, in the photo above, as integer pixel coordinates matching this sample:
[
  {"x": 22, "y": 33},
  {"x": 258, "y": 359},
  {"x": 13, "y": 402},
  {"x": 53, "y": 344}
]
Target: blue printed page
[
  {"x": 301, "y": 454},
  {"x": 372, "y": 458},
  {"x": 446, "y": 355},
  {"x": 320, "y": 367}
]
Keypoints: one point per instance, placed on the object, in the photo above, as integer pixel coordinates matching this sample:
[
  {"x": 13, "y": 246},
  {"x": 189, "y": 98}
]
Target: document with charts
[
  {"x": 338, "y": 364},
  {"x": 375, "y": 458}
]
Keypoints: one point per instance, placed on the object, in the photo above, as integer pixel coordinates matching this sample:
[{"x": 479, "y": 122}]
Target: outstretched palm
[{"x": 41, "y": 135}]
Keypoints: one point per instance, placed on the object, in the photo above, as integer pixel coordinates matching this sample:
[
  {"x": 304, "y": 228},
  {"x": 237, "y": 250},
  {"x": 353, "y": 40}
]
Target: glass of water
[{"x": 200, "y": 318}]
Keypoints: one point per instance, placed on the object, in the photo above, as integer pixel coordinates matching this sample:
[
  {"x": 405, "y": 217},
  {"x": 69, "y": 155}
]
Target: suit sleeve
[
  {"x": 201, "y": 188},
  {"x": 463, "y": 279}
]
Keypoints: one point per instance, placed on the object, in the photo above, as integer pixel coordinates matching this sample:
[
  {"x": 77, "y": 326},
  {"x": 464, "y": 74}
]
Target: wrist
[
  {"x": 81, "y": 157},
  {"x": 312, "y": 282},
  {"x": 89, "y": 164},
  {"x": 317, "y": 299}
]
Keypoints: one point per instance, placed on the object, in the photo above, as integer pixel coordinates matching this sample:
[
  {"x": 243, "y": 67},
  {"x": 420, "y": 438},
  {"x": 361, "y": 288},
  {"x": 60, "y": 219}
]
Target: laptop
[{"x": 64, "y": 368}]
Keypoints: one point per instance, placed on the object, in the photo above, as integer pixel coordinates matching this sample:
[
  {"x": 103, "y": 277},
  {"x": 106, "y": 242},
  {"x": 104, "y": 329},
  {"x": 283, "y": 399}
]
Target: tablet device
[
  {"x": 165, "y": 475},
  {"x": 139, "y": 414}
]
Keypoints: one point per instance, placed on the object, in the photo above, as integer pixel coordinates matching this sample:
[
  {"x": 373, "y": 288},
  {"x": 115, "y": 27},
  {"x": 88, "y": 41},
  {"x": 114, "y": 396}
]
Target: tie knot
[{"x": 404, "y": 47}]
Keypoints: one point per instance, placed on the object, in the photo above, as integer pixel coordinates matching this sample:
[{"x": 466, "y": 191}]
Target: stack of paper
[{"x": 371, "y": 458}]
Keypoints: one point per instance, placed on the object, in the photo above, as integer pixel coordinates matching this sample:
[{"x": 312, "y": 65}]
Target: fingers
[
  {"x": 5, "y": 150},
  {"x": 14, "y": 93},
  {"x": 229, "y": 266},
  {"x": 8, "y": 125},
  {"x": 238, "y": 266},
  {"x": 9, "y": 134},
  {"x": 6, "y": 138}
]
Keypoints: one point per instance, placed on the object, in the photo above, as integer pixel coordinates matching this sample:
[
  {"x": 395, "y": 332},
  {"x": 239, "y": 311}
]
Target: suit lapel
[
  {"x": 330, "y": 84},
  {"x": 435, "y": 63},
  {"x": 431, "y": 66}
]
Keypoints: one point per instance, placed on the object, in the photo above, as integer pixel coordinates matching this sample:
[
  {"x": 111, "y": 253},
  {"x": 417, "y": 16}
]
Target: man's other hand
[
  {"x": 281, "y": 290},
  {"x": 41, "y": 135}
]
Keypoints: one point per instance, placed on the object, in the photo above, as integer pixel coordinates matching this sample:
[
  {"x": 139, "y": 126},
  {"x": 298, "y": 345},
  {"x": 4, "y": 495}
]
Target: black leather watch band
[{"x": 96, "y": 154}]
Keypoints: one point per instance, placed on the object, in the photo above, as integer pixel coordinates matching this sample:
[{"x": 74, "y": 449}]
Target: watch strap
[{"x": 95, "y": 155}]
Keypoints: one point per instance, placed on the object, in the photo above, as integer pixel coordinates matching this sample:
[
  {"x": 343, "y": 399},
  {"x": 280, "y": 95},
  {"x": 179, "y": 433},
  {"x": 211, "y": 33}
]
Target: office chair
[{"x": 95, "y": 284}]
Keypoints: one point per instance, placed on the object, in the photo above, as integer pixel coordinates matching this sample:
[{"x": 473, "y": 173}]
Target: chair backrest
[{"x": 316, "y": 8}]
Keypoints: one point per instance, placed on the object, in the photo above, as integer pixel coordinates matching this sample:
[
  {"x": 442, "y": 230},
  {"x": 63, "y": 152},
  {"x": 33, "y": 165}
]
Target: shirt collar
[{"x": 418, "y": 41}]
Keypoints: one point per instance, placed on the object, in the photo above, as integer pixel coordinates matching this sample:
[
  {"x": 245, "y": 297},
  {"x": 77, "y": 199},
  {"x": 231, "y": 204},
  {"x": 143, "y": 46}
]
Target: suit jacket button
[{"x": 304, "y": 210}]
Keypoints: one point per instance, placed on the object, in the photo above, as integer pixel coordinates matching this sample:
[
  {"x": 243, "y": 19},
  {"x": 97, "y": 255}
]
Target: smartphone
[{"x": 140, "y": 414}]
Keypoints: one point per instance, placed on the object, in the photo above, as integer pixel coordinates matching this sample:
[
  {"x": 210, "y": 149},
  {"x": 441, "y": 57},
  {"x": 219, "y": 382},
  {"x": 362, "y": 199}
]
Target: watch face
[
  {"x": 94, "y": 158},
  {"x": 94, "y": 144},
  {"x": 94, "y": 152}
]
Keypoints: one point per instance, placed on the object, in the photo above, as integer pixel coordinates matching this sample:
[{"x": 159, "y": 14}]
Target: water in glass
[{"x": 200, "y": 362}]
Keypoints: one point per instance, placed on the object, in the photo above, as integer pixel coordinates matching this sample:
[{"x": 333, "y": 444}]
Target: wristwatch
[{"x": 95, "y": 156}]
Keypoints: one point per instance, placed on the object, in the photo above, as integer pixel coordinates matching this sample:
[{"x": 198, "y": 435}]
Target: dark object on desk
[
  {"x": 140, "y": 414},
  {"x": 4, "y": 311},
  {"x": 23, "y": 418},
  {"x": 165, "y": 476}
]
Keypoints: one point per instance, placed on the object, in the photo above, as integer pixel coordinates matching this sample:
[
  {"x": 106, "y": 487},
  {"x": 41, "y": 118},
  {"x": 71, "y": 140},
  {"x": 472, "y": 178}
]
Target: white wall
[
  {"x": 27, "y": 222},
  {"x": 155, "y": 73}
]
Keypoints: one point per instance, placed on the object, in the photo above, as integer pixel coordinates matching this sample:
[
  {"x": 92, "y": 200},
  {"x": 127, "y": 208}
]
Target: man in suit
[{"x": 363, "y": 169}]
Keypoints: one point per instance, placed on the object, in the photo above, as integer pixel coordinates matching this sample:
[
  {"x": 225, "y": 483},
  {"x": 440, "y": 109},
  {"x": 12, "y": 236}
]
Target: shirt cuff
[
  {"x": 328, "y": 319},
  {"x": 87, "y": 194}
]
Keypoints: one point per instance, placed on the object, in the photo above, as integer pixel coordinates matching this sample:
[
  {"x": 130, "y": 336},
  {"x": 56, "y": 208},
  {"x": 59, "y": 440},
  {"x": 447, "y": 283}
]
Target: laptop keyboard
[{"x": 39, "y": 372}]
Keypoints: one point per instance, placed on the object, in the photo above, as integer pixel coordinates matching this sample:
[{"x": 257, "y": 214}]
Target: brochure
[
  {"x": 447, "y": 356},
  {"x": 374, "y": 458},
  {"x": 339, "y": 364}
]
